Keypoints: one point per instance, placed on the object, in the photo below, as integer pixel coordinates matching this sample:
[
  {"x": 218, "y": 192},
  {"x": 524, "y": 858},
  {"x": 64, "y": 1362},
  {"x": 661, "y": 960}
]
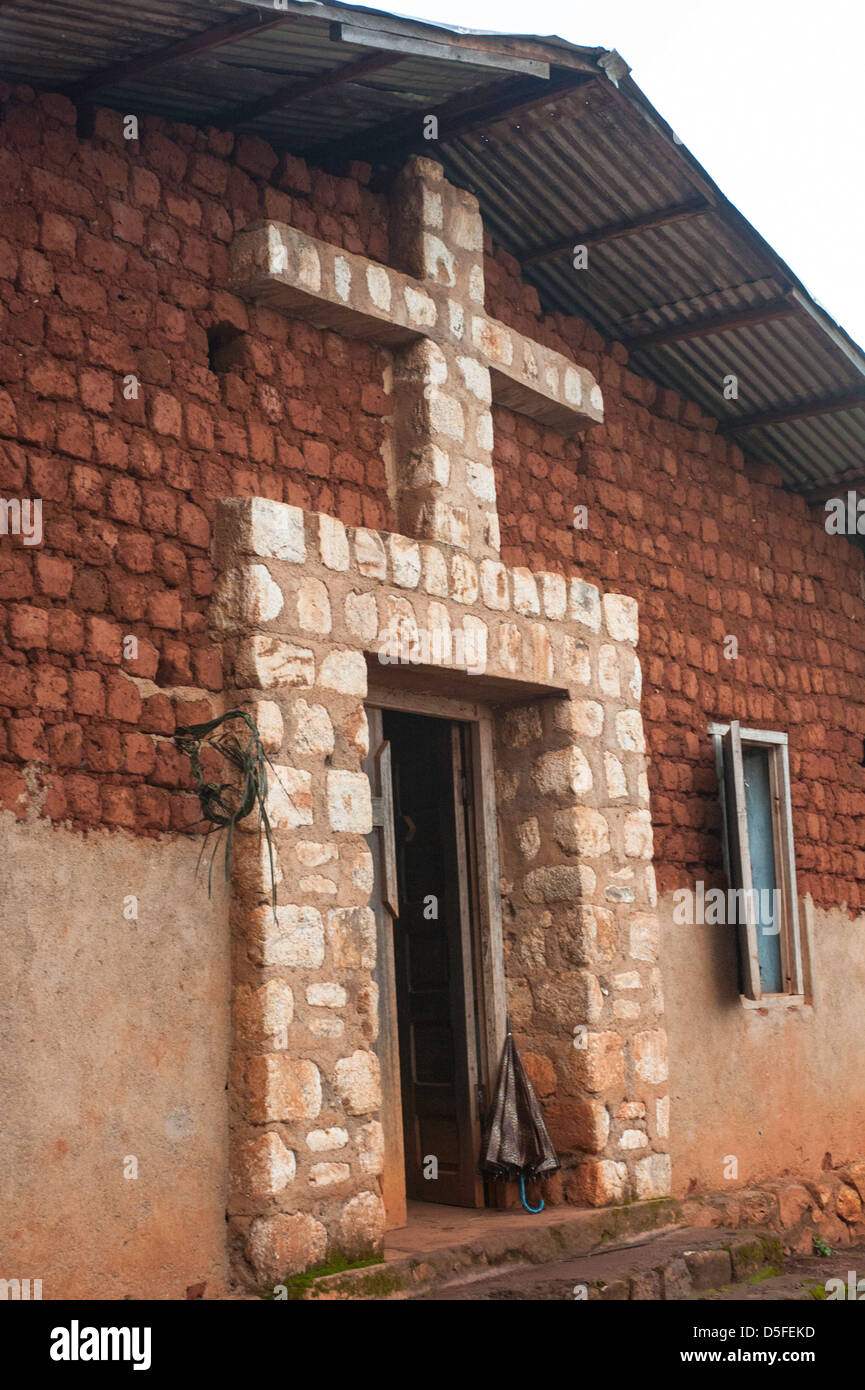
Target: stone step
[
  {"x": 692, "y": 1265},
  {"x": 643, "y": 1250},
  {"x": 504, "y": 1240},
  {"x": 679, "y": 1264}
]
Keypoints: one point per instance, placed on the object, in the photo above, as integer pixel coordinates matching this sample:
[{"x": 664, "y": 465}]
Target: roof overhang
[{"x": 561, "y": 148}]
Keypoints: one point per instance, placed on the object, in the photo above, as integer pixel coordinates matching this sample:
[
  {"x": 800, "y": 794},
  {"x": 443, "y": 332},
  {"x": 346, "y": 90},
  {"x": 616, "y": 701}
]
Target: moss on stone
[
  {"x": 296, "y": 1285},
  {"x": 379, "y": 1284}
]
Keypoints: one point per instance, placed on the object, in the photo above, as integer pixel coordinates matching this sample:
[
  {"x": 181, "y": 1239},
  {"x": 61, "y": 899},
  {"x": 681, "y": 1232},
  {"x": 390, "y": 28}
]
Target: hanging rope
[{"x": 223, "y": 804}]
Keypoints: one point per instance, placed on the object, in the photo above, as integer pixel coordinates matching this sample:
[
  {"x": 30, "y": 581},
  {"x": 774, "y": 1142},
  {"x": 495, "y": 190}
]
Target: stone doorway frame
[{"x": 303, "y": 604}]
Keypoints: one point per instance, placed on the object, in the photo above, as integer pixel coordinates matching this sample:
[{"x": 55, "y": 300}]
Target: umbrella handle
[{"x": 533, "y": 1210}]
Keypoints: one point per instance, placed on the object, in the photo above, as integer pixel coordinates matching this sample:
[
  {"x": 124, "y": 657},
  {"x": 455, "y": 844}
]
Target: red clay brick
[
  {"x": 13, "y": 791},
  {"x": 103, "y": 641},
  {"x": 102, "y": 749},
  {"x": 26, "y": 738},
  {"x": 157, "y": 715},
  {"x": 28, "y": 627},
  {"x": 53, "y": 575},
  {"x": 65, "y": 632},
  {"x": 82, "y": 795},
  {"x": 295, "y": 413},
  {"x": 145, "y": 664},
  {"x": 164, "y": 610},
  {"x": 124, "y": 701},
  {"x": 50, "y": 687},
  {"x": 15, "y": 685},
  {"x": 118, "y": 806},
  {"x": 139, "y": 754},
  {"x": 153, "y": 807},
  {"x": 66, "y": 744}
]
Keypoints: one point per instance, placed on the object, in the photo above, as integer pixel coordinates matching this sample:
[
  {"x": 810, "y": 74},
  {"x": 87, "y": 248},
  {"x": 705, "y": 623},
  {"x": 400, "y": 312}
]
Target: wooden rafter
[
  {"x": 612, "y": 231},
  {"x": 853, "y": 481},
  {"x": 459, "y": 116},
  {"x": 796, "y": 410},
  {"x": 305, "y": 87},
  {"x": 204, "y": 42},
  {"x": 713, "y": 323}
]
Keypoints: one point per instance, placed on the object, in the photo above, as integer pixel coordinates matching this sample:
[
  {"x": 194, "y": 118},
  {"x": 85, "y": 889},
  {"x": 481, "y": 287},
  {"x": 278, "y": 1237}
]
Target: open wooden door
[{"x": 429, "y": 1028}]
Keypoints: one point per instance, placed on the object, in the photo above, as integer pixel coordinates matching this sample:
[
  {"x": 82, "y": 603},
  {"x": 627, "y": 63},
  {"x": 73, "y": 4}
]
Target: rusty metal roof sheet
[{"x": 556, "y": 141}]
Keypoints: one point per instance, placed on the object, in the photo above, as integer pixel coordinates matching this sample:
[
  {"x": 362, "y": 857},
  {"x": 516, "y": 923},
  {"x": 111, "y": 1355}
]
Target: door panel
[{"x": 385, "y": 903}]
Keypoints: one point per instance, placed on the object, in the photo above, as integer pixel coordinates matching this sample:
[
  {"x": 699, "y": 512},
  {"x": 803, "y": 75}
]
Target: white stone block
[
  {"x": 652, "y": 1177},
  {"x": 405, "y": 561},
  {"x": 526, "y": 599},
  {"x": 345, "y": 672},
  {"x": 326, "y": 995},
  {"x": 629, "y": 731},
  {"x": 349, "y": 802},
  {"x": 323, "y": 1140},
  {"x": 370, "y": 554},
  {"x": 289, "y": 797},
  {"x": 295, "y": 940},
  {"x": 584, "y": 604},
  {"x": 621, "y": 617},
  {"x": 357, "y": 1081},
  {"x": 554, "y": 595},
  {"x": 272, "y": 529}
]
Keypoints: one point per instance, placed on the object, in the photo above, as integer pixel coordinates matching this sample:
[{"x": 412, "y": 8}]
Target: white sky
[{"x": 767, "y": 94}]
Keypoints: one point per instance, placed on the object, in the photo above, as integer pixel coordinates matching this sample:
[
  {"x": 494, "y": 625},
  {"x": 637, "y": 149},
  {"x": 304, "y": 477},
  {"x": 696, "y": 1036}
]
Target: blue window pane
[{"x": 758, "y": 800}]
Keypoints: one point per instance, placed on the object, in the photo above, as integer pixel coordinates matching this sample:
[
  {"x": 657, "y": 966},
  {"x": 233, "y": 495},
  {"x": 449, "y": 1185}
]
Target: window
[{"x": 754, "y": 781}]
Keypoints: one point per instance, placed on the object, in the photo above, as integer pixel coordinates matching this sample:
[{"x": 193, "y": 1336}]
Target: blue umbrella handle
[{"x": 533, "y": 1210}]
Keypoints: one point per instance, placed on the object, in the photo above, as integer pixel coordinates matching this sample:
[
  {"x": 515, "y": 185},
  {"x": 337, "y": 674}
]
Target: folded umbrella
[{"x": 516, "y": 1143}]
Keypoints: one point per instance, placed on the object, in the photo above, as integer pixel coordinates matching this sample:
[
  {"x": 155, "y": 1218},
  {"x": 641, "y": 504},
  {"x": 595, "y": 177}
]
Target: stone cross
[{"x": 451, "y": 360}]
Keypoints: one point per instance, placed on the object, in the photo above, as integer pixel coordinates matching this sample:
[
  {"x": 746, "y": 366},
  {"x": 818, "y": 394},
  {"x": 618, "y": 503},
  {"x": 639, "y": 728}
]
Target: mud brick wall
[
  {"x": 708, "y": 546},
  {"x": 114, "y": 261}
]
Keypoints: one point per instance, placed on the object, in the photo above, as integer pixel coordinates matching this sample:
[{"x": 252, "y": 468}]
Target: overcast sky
[{"x": 768, "y": 94}]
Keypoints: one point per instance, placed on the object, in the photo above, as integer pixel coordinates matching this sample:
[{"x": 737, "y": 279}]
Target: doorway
[{"x": 429, "y": 971}]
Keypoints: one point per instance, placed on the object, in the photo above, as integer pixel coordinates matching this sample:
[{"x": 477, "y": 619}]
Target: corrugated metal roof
[{"x": 582, "y": 159}]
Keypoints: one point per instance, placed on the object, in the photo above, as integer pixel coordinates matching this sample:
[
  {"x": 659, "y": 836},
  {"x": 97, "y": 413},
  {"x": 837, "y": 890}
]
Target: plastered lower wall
[
  {"x": 776, "y": 1089},
  {"x": 113, "y": 1043}
]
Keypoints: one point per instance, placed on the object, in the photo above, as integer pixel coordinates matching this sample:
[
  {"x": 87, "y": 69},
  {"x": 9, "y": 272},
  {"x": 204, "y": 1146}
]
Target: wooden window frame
[{"x": 731, "y": 782}]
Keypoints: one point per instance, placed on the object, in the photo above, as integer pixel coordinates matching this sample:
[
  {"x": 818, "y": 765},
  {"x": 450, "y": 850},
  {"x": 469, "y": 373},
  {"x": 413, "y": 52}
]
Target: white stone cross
[{"x": 452, "y": 358}]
